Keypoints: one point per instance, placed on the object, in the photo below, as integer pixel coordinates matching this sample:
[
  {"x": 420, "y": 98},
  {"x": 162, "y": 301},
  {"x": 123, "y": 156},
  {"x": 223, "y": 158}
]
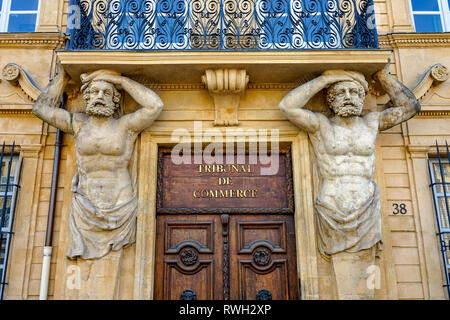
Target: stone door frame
[{"x": 303, "y": 216}]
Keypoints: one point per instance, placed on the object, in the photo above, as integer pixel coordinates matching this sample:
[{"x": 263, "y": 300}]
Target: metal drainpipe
[{"x": 51, "y": 216}]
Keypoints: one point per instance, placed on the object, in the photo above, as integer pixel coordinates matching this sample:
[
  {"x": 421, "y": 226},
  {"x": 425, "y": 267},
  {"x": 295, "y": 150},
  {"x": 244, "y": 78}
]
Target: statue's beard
[
  {"x": 348, "y": 109},
  {"x": 99, "y": 109}
]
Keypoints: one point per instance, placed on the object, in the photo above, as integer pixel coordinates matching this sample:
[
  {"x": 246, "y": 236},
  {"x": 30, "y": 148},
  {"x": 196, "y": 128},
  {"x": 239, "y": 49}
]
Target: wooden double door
[{"x": 225, "y": 256}]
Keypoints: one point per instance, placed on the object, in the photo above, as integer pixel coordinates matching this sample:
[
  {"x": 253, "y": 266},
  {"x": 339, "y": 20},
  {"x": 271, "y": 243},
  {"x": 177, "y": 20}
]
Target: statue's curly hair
[
  {"x": 117, "y": 96},
  {"x": 331, "y": 91}
]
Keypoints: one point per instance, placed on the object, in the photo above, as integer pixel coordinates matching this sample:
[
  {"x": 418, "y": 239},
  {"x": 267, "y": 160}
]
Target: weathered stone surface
[
  {"x": 348, "y": 203},
  {"x": 104, "y": 203}
]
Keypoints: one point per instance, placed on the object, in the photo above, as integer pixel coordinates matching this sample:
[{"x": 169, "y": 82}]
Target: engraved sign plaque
[{"x": 237, "y": 187}]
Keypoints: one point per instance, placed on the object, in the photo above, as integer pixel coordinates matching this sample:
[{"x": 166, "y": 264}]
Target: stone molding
[
  {"x": 414, "y": 39},
  {"x": 188, "y": 67},
  {"x": 30, "y": 150},
  {"x": 16, "y": 112},
  {"x": 44, "y": 40},
  {"x": 226, "y": 87},
  {"x": 197, "y": 86},
  {"x": 434, "y": 114},
  {"x": 423, "y": 151},
  {"x": 434, "y": 76},
  {"x": 419, "y": 151},
  {"x": 17, "y": 76}
]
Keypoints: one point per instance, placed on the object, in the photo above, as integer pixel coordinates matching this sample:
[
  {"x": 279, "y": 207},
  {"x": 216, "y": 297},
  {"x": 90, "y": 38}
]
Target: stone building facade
[{"x": 410, "y": 264}]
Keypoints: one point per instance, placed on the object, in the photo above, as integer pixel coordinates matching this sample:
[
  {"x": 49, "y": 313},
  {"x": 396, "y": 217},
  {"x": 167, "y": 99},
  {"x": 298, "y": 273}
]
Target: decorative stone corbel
[
  {"x": 17, "y": 76},
  {"x": 434, "y": 76},
  {"x": 226, "y": 87}
]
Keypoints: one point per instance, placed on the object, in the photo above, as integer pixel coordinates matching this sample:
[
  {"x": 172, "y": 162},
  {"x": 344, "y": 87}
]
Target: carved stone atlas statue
[
  {"x": 348, "y": 203},
  {"x": 102, "y": 218}
]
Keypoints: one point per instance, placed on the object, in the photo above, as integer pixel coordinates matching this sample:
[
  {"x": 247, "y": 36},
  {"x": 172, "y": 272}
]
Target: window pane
[
  {"x": 438, "y": 176},
  {"x": 446, "y": 240},
  {"x": 2, "y": 248},
  {"x": 22, "y": 23},
  {"x": 428, "y": 23},
  {"x": 443, "y": 212},
  {"x": 24, "y": 5},
  {"x": 4, "y": 173},
  {"x": 5, "y": 215},
  {"x": 425, "y": 5}
]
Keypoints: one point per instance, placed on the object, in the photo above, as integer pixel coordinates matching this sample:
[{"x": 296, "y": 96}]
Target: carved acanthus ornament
[
  {"x": 17, "y": 76},
  {"x": 226, "y": 87}
]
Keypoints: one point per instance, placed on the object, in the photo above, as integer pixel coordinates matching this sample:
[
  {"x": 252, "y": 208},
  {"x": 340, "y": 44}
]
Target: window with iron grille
[
  {"x": 9, "y": 186},
  {"x": 439, "y": 168}
]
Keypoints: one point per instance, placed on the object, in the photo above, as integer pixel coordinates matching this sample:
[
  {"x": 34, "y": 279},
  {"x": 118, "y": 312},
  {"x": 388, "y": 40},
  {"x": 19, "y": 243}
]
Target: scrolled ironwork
[{"x": 223, "y": 25}]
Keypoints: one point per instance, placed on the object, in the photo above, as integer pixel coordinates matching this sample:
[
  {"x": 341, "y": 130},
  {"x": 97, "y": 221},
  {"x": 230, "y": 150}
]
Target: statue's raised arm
[
  {"x": 348, "y": 200},
  {"x": 405, "y": 103},
  {"x": 149, "y": 101},
  {"x": 294, "y": 102},
  {"x": 47, "y": 104},
  {"x": 102, "y": 218}
]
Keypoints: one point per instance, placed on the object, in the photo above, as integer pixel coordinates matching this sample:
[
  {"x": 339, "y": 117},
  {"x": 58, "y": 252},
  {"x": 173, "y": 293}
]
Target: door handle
[
  {"x": 188, "y": 294},
  {"x": 264, "y": 294}
]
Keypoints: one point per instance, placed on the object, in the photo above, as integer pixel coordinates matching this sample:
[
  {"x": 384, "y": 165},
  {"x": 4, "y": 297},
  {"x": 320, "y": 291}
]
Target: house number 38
[{"x": 399, "y": 208}]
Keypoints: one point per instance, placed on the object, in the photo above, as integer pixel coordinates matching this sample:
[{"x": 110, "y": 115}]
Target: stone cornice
[
  {"x": 414, "y": 39},
  {"x": 188, "y": 67},
  {"x": 419, "y": 151},
  {"x": 44, "y": 40},
  {"x": 198, "y": 86},
  {"x": 30, "y": 150}
]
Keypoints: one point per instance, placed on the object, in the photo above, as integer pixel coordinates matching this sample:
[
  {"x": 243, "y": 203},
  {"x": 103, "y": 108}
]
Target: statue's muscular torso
[
  {"x": 346, "y": 158},
  {"x": 103, "y": 154}
]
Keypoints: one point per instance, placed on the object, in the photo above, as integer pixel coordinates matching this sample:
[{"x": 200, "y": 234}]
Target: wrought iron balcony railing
[{"x": 221, "y": 24}]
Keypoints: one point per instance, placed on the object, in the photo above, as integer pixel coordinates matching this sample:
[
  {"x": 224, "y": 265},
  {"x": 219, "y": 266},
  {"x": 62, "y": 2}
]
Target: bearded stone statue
[
  {"x": 348, "y": 202},
  {"x": 102, "y": 219}
]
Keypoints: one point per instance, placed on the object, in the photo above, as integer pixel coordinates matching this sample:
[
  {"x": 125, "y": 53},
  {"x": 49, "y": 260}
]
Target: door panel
[
  {"x": 262, "y": 257},
  {"x": 188, "y": 257},
  {"x": 252, "y": 280},
  {"x": 226, "y": 257}
]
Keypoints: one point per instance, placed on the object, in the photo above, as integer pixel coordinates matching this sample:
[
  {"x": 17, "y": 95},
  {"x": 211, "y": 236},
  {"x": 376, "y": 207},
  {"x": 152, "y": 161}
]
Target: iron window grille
[
  {"x": 439, "y": 169},
  {"x": 10, "y": 171}
]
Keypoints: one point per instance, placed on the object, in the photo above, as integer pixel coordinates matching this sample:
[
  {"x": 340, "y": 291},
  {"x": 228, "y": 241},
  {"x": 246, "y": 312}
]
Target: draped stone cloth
[
  {"x": 95, "y": 232},
  {"x": 350, "y": 232}
]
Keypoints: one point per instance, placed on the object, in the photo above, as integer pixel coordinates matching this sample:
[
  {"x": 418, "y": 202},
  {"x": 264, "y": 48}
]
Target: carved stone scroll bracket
[
  {"x": 17, "y": 76},
  {"x": 433, "y": 77},
  {"x": 226, "y": 87}
]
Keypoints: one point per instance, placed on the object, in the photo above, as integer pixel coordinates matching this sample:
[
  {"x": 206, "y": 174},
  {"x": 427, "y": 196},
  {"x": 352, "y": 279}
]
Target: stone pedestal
[
  {"x": 100, "y": 278},
  {"x": 353, "y": 273}
]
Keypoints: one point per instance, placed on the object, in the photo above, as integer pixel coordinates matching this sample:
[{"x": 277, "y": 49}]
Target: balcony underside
[{"x": 175, "y": 67}]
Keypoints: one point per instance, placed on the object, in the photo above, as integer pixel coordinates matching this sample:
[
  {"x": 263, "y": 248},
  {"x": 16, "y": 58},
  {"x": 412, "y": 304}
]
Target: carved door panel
[
  {"x": 262, "y": 258},
  {"x": 188, "y": 258},
  {"x": 215, "y": 257},
  {"x": 225, "y": 231}
]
